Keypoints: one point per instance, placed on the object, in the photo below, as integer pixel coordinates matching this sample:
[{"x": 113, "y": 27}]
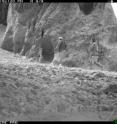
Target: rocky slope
[
  {"x": 77, "y": 23},
  {"x": 30, "y": 91}
]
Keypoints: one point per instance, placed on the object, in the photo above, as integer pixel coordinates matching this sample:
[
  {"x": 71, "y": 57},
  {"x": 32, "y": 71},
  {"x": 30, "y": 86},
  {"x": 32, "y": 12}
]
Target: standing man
[
  {"x": 60, "y": 50},
  {"x": 94, "y": 52}
]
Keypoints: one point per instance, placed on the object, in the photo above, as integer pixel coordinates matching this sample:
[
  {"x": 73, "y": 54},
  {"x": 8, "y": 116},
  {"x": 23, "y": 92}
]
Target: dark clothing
[{"x": 61, "y": 46}]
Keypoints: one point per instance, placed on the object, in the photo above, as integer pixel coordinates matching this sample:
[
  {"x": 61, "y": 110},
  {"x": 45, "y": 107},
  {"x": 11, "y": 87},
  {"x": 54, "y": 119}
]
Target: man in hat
[
  {"x": 61, "y": 46},
  {"x": 60, "y": 51}
]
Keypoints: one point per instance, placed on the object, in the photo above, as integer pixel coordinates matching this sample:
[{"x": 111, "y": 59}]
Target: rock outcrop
[
  {"x": 77, "y": 23},
  {"x": 3, "y": 13}
]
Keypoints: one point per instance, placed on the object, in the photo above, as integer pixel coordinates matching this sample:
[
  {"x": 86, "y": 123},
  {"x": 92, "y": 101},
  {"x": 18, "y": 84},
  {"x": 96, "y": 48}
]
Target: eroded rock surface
[
  {"x": 3, "y": 13},
  {"x": 77, "y": 23}
]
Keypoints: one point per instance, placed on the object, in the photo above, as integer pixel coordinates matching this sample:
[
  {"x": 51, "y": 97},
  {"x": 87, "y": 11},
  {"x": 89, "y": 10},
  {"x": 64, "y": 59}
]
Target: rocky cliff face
[
  {"x": 3, "y": 13},
  {"x": 78, "y": 23}
]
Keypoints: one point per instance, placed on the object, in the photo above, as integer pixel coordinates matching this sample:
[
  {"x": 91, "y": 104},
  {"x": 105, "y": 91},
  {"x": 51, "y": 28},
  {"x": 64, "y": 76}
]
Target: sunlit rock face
[
  {"x": 77, "y": 23},
  {"x": 19, "y": 15}
]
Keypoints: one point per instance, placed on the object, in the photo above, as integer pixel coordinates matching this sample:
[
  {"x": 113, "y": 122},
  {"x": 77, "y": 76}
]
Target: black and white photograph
[{"x": 58, "y": 61}]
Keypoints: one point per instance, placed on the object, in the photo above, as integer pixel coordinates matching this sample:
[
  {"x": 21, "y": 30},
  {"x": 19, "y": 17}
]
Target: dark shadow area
[
  {"x": 86, "y": 8},
  {"x": 47, "y": 52},
  {"x": 3, "y": 13},
  {"x": 8, "y": 44},
  {"x": 26, "y": 47},
  {"x": 18, "y": 46}
]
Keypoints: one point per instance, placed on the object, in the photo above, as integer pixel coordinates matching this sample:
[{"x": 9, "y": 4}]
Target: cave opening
[
  {"x": 3, "y": 13},
  {"x": 47, "y": 52},
  {"x": 86, "y": 8}
]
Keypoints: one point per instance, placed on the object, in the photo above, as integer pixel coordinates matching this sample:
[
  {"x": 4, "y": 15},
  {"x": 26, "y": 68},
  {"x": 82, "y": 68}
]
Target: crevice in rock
[
  {"x": 3, "y": 13},
  {"x": 86, "y": 8},
  {"x": 47, "y": 53}
]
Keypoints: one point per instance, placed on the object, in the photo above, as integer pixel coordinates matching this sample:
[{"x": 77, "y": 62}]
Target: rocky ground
[{"x": 30, "y": 91}]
